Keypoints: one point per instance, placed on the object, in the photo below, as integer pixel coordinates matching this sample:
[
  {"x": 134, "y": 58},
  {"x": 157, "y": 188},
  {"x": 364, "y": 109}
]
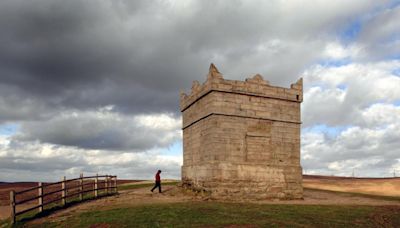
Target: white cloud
[
  {"x": 380, "y": 115},
  {"x": 104, "y": 129},
  {"x": 318, "y": 103},
  {"x": 335, "y": 50},
  {"x": 337, "y": 95},
  {"x": 33, "y": 161},
  {"x": 372, "y": 148}
]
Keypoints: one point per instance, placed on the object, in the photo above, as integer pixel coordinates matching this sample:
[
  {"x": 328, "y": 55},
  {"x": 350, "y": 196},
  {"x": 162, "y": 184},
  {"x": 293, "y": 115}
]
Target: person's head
[{"x": 159, "y": 171}]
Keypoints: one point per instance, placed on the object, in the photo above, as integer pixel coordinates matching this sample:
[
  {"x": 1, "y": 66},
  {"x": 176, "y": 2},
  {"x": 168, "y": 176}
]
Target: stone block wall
[{"x": 242, "y": 139}]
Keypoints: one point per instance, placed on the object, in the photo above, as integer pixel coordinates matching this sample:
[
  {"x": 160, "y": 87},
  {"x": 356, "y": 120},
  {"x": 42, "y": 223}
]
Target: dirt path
[{"x": 5, "y": 210}]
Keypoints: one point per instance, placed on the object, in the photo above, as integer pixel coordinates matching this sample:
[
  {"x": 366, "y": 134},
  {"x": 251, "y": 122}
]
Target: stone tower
[{"x": 242, "y": 138}]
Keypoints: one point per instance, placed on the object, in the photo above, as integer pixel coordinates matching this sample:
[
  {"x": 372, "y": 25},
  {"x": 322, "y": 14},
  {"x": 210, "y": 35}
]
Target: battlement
[{"x": 255, "y": 86}]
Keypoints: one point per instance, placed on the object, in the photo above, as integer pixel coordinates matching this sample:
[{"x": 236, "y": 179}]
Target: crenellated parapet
[{"x": 254, "y": 86}]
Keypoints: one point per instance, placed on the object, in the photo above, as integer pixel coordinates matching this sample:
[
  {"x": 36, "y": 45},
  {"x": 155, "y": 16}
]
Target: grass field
[
  {"x": 214, "y": 214},
  {"x": 337, "y": 202}
]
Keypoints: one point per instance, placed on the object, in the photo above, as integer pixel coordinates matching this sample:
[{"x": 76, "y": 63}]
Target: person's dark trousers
[{"x": 158, "y": 184}]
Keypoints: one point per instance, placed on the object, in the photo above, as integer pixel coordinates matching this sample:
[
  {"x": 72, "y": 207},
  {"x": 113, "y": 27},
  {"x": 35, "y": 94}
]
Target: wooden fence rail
[{"x": 49, "y": 194}]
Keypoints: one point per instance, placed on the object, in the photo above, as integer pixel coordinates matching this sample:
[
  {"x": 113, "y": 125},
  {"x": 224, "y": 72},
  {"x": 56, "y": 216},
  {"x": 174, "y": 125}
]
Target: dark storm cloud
[
  {"x": 137, "y": 55},
  {"x": 15, "y": 107},
  {"x": 77, "y": 54}
]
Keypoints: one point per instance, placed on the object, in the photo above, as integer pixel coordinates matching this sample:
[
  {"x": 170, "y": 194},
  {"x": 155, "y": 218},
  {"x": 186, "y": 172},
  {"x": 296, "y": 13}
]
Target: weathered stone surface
[{"x": 242, "y": 139}]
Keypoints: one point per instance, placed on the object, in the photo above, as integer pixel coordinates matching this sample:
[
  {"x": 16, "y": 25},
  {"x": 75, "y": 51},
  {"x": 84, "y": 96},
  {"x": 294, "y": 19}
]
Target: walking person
[{"x": 158, "y": 182}]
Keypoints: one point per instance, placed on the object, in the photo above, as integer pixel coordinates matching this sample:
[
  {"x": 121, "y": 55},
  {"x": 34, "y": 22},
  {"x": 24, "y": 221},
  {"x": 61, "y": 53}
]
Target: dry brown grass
[{"x": 372, "y": 186}]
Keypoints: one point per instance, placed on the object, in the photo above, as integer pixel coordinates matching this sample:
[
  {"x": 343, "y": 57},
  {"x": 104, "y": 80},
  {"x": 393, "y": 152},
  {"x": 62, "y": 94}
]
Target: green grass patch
[
  {"x": 4, "y": 223},
  {"x": 213, "y": 214},
  {"x": 144, "y": 185}
]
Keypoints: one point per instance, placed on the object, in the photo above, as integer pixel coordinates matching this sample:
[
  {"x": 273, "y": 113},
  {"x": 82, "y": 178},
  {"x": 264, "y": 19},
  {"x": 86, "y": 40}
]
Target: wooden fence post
[
  {"x": 111, "y": 185},
  {"x": 63, "y": 192},
  {"x": 96, "y": 193},
  {"x": 116, "y": 184},
  {"x": 12, "y": 205},
  {"x": 80, "y": 186},
  {"x": 40, "y": 199},
  {"x": 106, "y": 184}
]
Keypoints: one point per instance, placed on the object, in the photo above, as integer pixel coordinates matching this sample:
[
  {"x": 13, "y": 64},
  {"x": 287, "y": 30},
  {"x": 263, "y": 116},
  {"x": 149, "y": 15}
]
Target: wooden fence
[{"x": 57, "y": 194}]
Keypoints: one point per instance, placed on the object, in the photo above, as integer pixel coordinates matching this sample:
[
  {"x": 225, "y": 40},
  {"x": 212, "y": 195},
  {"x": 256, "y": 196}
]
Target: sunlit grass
[{"x": 214, "y": 214}]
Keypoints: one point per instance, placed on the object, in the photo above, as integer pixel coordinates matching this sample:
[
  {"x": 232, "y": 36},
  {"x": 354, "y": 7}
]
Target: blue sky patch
[
  {"x": 175, "y": 149},
  {"x": 393, "y": 57},
  {"x": 8, "y": 129},
  {"x": 394, "y": 4},
  {"x": 334, "y": 62},
  {"x": 396, "y": 72},
  {"x": 329, "y": 131},
  {"x": 342, "y": 86},
  {"x": 351, "y": 31}
]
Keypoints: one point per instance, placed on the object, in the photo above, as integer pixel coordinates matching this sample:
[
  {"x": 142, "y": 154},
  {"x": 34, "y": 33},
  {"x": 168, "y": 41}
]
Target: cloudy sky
[{"x": 93, "y": 86}]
